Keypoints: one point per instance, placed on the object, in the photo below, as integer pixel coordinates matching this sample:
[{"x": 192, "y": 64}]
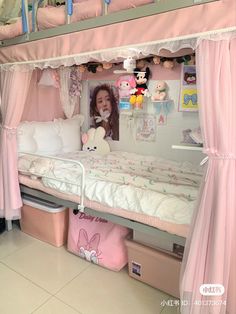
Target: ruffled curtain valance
[{"x": 117, "y": 54}]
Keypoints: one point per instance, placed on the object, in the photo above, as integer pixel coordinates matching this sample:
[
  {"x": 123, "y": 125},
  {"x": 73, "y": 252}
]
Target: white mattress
[{"x": 141, "y": 184}]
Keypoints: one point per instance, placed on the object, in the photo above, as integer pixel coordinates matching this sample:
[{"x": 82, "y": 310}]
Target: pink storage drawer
[
  {"x": 45, "y": 223},
  {"x": 153, "y": 267}
]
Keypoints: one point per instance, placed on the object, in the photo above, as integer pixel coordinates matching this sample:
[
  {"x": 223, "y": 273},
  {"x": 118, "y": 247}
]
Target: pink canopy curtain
[
  {"x": 210, "y": 253},
  {"x": 42, "y": 101},
  {"x": 14, "y": 87}
]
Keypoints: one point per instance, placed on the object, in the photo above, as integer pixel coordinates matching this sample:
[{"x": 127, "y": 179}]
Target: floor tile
[
  {"x": 50, "y": 267},
  {"x": 17, "y": 294},
  {"x": 55, "y": 306},
  {"x": 170, "y": 309},
  {"x": 101, "y": 291},
  {"x": 11, "y": 241}
]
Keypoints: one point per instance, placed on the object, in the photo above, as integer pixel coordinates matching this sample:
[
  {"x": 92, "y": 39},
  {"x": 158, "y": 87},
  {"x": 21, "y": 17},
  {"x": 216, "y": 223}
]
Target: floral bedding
[{"x": 119, "y": 179}]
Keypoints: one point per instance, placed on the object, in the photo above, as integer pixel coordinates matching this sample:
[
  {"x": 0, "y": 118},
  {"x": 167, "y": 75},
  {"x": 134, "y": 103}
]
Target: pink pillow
[
  {"x": 77, "y": 1},
  {"x": 97, "y": 240}
]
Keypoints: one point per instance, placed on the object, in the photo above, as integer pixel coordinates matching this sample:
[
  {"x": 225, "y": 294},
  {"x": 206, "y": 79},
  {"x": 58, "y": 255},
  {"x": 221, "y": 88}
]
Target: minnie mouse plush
[{"x": 141, "y": 78}]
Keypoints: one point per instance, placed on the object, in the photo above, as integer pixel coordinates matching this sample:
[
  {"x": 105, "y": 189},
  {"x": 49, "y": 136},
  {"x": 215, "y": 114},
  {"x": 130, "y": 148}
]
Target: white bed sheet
[{"x": 141, "y": 184}]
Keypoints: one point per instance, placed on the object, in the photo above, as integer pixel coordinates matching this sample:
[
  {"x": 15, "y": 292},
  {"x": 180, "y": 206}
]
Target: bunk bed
[
  {"x": 73, "y": 17},
  {"x": 139, "y": 32}
]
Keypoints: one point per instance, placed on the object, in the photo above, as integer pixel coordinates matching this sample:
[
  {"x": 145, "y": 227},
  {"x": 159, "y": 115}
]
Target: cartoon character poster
[
  {"x": 188, "y": 92},
  {"x": 189, "y": 77}
]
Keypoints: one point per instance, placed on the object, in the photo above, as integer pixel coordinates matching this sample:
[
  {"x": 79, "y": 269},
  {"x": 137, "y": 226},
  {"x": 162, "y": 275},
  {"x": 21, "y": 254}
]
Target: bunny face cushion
[{"x": 93, "y": 141}]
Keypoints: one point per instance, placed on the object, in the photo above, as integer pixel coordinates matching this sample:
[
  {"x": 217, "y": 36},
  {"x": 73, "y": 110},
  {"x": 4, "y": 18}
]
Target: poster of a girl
[{"x": 104, "y": 110}]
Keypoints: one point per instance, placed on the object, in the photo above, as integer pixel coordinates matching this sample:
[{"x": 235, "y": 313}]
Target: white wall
[{"x": 166, "y": 136}]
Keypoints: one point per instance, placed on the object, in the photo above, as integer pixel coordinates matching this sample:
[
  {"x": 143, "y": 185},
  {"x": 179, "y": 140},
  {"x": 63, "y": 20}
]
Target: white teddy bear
[
  {"x": 160, "y": 92},
  {"x": 93, "y": 141}
]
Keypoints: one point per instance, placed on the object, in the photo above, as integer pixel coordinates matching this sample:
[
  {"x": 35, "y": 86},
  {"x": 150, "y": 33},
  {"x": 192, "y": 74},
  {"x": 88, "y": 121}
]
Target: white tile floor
[{"x": 38, "y": 278}]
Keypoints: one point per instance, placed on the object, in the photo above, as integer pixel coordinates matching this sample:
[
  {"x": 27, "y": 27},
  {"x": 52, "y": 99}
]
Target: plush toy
[
  {"x": 93, "y": 141},
  {"x": 82, "y": 68},
  {"x": 125, "y": 83},
  {"x": 156, "y": 60},
  {"x": 192, "y": 60},
  {"x": 160, "y": 92},
  {"x": 107, "y": 65},
  {"x": 141, "y": 89},
  {"x": 140, "y": 64},
  {"x": 168, "y": 63}
]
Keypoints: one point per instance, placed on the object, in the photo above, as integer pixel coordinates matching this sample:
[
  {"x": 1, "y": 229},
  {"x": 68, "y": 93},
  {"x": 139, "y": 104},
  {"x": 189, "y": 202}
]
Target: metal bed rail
[{"x": 80, "y": 185}]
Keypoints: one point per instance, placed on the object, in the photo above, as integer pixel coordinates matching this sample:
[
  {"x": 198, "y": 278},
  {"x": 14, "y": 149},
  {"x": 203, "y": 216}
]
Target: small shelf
[{"x": 188, "y": 147}]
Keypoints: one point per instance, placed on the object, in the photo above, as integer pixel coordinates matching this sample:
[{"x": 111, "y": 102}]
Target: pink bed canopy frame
[{"x": 210, "y": 253}]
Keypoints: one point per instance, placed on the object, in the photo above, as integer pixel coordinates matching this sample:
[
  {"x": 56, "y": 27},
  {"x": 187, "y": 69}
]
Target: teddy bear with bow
[{"x": 160, "y": 91}]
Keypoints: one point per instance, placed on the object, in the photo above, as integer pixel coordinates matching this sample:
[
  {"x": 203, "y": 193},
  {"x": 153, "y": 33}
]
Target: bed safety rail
[
  {"x": 156, "y": 7},
  {"x": 80, "y": 185}
]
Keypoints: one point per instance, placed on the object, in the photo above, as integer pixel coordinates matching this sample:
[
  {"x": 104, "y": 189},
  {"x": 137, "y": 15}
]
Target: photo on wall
[{"x": 104, "y": 107}]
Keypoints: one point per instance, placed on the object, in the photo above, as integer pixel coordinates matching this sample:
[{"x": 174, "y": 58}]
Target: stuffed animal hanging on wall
[{"x": 141, "y": 89}]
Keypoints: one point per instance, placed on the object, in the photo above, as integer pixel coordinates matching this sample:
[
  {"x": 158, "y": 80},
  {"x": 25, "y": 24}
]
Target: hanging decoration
[
  {"x": 141, "y": 64},
  {"x": 49, "y": 78},
  {"x": 146, "y": 128},
  {"x": 188, "y": 94},
  {"x": 75, "y": 82},
  {"x": 70, "y": 82}
]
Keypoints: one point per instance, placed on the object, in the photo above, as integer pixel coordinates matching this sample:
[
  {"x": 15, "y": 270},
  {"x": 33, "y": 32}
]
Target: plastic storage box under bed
[
  {"x": 154, "y": 267},
  {"x": 44, "y": 220}
]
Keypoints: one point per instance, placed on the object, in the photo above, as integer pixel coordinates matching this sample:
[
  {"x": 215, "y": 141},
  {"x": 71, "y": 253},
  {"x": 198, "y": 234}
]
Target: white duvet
[{"x": 143, "y": 184}]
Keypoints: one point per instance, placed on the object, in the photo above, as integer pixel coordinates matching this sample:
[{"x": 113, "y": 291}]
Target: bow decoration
[
  {"x": 192, "y": 98},
  {"x": 104, "y": 115}
]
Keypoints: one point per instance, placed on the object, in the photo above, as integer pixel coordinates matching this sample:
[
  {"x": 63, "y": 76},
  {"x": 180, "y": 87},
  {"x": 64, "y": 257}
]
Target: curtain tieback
[
  {"x": 214, "y": 155},
  {"x": 5, "y": 127},
  {"x": 10, "y": 130}
]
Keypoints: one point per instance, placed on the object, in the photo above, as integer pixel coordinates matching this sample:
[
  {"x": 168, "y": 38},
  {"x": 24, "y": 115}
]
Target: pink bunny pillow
[{"x": 93, "y": 141}]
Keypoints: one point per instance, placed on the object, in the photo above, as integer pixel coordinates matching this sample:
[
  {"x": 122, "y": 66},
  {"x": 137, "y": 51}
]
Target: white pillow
[
  {"x": 50, "y": 138},
  {"x": 69, "y": 132}
]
